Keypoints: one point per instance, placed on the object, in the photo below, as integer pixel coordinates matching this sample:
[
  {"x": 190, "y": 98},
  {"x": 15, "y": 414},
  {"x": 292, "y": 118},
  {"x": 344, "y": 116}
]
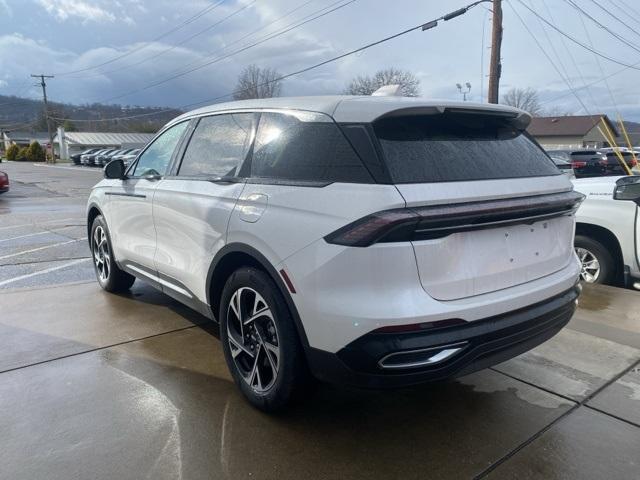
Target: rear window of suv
[
  {"x": 457, "y": 147},
  {"x": 304, "y": 147}
]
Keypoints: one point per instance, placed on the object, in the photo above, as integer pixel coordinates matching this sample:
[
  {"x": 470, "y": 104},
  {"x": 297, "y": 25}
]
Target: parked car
[
  {"x": 131, "y": 156},
  {"x": 612, "y": 162},
  {"x": 104, "y": 158},
  {"x": 4, "y": 182},
  {"x": 585, "y": 163},
  {"x": 369, "y": 241},
  {"x": 122, "y": 153},
  {"x": 89, "y": 158},
  {"x": 76, "y": 158},
  {"x": 607, "y": 241},
  {"x": 563, "y": 165}
]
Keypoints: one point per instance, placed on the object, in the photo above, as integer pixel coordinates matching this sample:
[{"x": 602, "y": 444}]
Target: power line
[
  {"x": 294, "y": 24},
  {"x": 614, "y": 16},
  {"x": 548, "y": 57},
  {"x": 578, "y": 42},
  {"x": 189, "y": 20},
  {"x": 594, "y": 20},
  {"x": 636, "y": 12},
  {"x": 595, "y": 82},
  {"x": 173, "y": 47},
  {"x": 423, "y": 26},
  {"x": 573, "y": 60},
  {"x": 553, "y": 48},
  {"x": 586, "y": 31},
  {"x": 218, "y": 59}
]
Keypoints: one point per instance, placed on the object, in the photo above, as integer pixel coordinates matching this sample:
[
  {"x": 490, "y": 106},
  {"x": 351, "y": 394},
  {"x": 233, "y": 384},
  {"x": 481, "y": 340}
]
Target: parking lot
[{"x": 94, "y": 385}]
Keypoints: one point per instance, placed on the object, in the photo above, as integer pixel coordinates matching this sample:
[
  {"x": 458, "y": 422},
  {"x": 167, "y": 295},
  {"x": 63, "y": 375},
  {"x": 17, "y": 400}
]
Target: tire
[
  {"x": 272, "y": 330},
  {"x": 108, "y": 274},
  {"x": 588, "y": 250}
]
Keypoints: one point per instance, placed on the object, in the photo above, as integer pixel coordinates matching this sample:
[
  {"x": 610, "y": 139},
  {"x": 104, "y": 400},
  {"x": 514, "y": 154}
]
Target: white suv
[
  {"x": 607, "y": 230},
  {"x": 370, "y": 241}
]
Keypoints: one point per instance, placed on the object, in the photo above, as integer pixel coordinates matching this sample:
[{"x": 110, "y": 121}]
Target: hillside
[{"x": 27, "y": 114}]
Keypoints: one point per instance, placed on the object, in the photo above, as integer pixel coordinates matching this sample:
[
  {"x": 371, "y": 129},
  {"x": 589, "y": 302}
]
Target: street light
[{"x": 464, "y": 92}]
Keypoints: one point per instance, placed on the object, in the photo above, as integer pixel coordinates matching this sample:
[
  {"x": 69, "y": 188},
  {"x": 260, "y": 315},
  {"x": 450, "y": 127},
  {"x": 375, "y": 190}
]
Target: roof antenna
[{"x": 388, "y": 91}]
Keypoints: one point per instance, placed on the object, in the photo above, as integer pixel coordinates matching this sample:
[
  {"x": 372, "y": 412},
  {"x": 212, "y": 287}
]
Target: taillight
[
  {"x": 437, "y": 221},
  {"x": 575, "y": 164},
  {"x": 368, "y": 230}
]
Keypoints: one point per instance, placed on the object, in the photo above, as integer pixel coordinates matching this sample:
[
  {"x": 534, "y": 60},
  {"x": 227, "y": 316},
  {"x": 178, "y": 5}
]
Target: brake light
[
  {"x": 437, "y": 221},
  {"x": 370, "y": 229},
  {"x": 575, "y": 164}
]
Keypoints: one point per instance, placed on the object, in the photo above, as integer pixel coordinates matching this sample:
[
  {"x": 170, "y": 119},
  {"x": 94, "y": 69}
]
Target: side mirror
[
  {"x": 628, "y": 188},
  {"x": 114, "y": 170}
]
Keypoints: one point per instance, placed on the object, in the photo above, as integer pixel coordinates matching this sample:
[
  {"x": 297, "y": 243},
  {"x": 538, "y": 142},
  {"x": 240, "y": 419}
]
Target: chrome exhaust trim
[{"x": 420, "y": 357}]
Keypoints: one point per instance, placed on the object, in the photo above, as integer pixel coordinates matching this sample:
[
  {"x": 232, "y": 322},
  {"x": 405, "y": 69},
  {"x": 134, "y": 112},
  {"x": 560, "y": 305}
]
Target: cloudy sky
[{"x": 127, "y": 51}]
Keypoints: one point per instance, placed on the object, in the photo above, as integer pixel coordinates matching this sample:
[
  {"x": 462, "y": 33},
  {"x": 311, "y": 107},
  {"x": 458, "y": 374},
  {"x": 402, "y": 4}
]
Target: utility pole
[
  {"x": 43, "y": 84},
  {"x": 495, "y": 66}
]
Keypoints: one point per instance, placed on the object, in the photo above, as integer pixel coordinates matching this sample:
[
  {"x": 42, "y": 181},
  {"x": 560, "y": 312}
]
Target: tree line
[{"x": 257, "y": 82}]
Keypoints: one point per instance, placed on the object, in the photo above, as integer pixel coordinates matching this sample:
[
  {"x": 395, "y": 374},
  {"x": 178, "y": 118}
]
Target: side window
[
  {"x": 219, "y": 145},
  {"x": 304, "y": 147},
  {"x": 156, "y": 158}
]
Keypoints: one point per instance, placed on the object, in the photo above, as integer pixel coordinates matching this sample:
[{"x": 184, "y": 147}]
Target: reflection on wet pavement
[{"x": 165, "y": 408}]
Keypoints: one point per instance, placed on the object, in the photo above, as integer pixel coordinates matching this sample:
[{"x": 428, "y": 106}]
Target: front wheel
[
  {"x": 597, "y": 264},
  {"x": 260, "y": 341},
  {"x": 108, "y": 274}
]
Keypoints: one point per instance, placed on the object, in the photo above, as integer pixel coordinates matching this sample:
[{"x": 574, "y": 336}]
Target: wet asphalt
[
  {"x": 43, "y": 227},
  {"x": 102, "y": 386}
]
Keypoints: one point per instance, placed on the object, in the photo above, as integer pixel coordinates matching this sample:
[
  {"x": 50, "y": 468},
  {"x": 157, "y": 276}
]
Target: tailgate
[
  {"x": 476, "y": 262},
  {"x": 501, "y": 241}
]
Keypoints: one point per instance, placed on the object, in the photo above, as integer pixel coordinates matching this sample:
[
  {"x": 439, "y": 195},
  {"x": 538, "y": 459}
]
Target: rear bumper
[{"x": 483, "y": 343}]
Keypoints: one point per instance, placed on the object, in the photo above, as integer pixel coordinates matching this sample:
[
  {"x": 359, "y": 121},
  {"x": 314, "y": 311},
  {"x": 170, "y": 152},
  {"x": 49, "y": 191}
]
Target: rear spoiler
[{"x": 516, "y": 119}]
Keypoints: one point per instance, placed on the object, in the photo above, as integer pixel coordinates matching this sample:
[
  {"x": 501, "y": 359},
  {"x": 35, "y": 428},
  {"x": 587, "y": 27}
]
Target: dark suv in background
[
  {"x": 585, "y": 163},
  {"x": 612, "y": 163}
]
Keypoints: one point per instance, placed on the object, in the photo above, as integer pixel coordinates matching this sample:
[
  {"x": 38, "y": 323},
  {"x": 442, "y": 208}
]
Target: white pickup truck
[{"x": 607, "y": 230}]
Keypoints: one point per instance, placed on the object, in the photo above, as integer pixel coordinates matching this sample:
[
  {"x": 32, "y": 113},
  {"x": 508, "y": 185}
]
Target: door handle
[{"x": 152, "y": 178}]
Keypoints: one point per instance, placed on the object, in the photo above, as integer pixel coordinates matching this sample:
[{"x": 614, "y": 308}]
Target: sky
[{"x": 126, "y": 51}]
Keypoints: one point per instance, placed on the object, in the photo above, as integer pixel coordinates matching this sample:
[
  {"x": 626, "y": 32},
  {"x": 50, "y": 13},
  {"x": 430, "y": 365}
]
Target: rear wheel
[
  {"x": 597, "y": 264},
  {"x": 109, "y": 275},
  {"x": 260, "y": 342}
]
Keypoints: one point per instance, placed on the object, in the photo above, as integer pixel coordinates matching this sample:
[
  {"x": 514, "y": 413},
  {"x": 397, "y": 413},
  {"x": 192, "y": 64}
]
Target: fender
[
  {"x": 262, "y": 261},
  {"x": 90, "y": 207}
]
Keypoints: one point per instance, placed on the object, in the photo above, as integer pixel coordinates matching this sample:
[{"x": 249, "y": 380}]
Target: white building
[{"x": 77, "y": 142}]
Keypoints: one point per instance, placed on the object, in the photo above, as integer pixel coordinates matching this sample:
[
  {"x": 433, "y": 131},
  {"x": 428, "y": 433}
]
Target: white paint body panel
[
  {"x": 472, "y": 263},
  {"x": 344, "y": 292},
  {"x": 131, "y": 223},
  {"x": 190, "y": 218},
  {"x": 619, "y": 217}
]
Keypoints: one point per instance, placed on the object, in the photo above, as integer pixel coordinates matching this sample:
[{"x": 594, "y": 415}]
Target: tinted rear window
[
  {"x": 288, "y": 148},
  {"x": 449, "y": 148}
]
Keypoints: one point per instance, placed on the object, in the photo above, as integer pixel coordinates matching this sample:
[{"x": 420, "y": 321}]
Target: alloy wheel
[
  {"x": 590, "y": 266},
  {"x": 253, "y": 339},
  {"x": 101, "y": 254}
]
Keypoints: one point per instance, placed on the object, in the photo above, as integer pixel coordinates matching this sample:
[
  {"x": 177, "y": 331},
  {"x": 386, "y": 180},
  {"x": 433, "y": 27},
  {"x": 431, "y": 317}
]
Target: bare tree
[
  {"x": 525, "y": 99},
  {"x": 556, "y": 112},
  {"x": 256, "y": 82},
  {"x": 366, "y": 85}
]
